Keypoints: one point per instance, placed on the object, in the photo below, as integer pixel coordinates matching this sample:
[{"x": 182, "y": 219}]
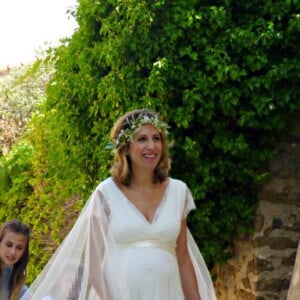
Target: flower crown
[{"x": 126, "y": 135}]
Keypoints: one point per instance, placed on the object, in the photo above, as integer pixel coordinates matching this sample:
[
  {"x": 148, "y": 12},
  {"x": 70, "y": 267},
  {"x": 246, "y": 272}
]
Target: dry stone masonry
[{"x": 263, "y": 262}]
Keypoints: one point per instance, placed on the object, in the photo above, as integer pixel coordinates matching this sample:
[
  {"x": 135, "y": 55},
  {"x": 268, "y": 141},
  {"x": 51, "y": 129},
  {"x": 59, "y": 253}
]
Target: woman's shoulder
[
  {"x": 107, "y": 187},
  {"x": 106, "y": 183},
  {"x": 177, "y": 182}
]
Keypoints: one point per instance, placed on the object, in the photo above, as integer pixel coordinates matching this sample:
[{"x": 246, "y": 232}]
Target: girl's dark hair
[
  {"x": 18, "y": 275},
  {"x": 121, "y": 166}
]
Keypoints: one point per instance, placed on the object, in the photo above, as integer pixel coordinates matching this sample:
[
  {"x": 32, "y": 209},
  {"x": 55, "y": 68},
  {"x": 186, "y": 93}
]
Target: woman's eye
[
  {"x": 141, "y": 139},
  {"x": 156, "y": 138}
]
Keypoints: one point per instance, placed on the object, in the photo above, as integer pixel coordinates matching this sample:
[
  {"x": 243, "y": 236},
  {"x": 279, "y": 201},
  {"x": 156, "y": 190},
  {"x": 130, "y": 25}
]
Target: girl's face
[
  {"x": 146, "y": 148},
  {"x": 12, "y": 247}
]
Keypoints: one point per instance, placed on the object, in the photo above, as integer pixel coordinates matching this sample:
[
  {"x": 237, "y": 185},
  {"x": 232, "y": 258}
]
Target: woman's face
[
  {"x": 146, "y": 148},
  {"x": 12, "y": 247}
]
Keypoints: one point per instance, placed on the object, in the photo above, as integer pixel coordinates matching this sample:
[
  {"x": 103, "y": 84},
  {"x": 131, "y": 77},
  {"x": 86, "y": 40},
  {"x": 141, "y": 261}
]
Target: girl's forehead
[{"x": 14, "y": 237}]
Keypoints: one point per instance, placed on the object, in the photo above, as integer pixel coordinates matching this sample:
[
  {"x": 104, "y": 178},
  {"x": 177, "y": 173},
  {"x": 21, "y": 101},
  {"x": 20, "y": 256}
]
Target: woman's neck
[{"x": 142, "y": 181}]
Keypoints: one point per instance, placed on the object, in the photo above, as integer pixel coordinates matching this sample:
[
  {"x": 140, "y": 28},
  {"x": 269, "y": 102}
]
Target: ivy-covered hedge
[
  {"x": 21, "y": 90},
  {"x": 223, "y": 74}
]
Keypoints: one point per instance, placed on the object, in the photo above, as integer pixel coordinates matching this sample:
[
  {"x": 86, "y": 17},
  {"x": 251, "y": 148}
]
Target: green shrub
[{"x": 15, "y": 174}]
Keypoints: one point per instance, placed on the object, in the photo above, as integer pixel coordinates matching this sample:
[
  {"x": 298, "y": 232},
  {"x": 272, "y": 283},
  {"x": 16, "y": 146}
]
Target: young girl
[{"x": 14, "y": 256}]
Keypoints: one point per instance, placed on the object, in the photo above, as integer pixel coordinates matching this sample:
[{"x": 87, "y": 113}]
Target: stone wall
[
  {"x": 263, "y": 262},
  {"x": 294, "y": 290}
]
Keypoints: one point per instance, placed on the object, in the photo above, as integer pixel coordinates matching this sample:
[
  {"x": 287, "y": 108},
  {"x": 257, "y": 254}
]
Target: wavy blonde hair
[{"x": 121, "y": 165}]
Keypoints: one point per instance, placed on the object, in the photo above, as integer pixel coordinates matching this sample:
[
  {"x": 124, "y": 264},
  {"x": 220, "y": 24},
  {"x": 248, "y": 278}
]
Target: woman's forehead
[{"x": 148, "y": 128}]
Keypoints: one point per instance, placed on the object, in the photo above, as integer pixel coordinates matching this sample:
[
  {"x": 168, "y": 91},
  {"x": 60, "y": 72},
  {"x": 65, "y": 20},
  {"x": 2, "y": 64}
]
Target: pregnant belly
[
  {"x": 148, "y": 270},
  {"x": 144, "y": 264}
]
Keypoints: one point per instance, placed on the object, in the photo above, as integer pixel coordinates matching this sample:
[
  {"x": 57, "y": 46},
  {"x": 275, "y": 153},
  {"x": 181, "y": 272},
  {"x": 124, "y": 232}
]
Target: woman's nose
[{"x": 150, "y": 144}]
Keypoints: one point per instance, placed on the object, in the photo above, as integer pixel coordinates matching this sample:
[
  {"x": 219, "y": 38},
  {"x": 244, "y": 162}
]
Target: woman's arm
[{"x": 186, "y": 269}]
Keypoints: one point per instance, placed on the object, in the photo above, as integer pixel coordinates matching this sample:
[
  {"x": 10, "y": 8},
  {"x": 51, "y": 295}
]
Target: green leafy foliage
[
  {"x": 223, "y": 74},
  {"x": 14, "y": 174},
  {"x": 21, "y": 90}
]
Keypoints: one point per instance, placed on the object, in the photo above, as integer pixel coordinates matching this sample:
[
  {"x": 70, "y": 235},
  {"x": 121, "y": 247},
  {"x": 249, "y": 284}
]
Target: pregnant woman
[{"x": 132, "y": 237}]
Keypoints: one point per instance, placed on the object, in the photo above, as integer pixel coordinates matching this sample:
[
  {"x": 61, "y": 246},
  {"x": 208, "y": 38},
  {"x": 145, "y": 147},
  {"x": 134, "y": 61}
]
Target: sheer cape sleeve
[
  {"x": 189, "y": 203},
  {"x": 205, "y": 284},
  {"x": 75, "y": 271}
]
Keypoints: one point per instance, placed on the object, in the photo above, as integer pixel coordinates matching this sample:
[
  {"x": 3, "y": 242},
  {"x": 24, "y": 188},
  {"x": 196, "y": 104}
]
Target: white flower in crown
[{"x": 126, "y": 135}]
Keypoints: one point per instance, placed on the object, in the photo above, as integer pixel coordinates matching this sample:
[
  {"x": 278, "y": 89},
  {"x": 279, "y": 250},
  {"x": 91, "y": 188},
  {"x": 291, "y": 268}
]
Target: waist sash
[{"x": 152, "y": 243}]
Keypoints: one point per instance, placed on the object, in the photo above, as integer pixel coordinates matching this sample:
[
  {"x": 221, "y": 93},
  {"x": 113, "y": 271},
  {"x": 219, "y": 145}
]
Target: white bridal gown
[{"x": 124, "y": 256}]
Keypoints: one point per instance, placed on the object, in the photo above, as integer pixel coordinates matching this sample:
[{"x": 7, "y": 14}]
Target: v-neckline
[{"x": 137, "y": 210}]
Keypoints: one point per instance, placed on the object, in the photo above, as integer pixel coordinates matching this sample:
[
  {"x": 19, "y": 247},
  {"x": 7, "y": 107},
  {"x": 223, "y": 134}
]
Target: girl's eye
[
  {"x": 156, "y": 138},
  {"x": 8, "y": 245}
]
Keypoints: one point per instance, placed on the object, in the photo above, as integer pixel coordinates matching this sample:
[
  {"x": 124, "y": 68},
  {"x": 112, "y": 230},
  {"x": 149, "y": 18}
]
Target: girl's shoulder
[{"x": 23, "y": 290}]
